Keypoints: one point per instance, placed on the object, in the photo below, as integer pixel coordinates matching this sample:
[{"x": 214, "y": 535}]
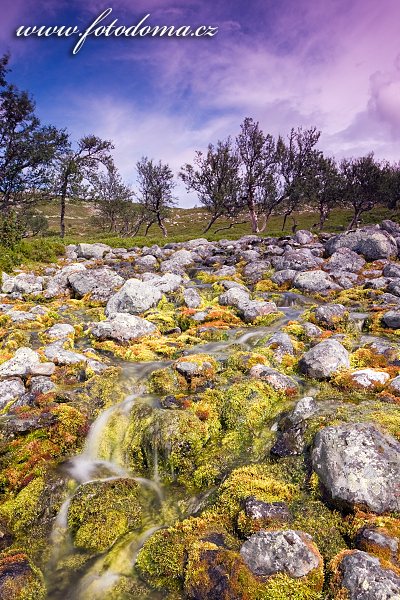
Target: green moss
[
  {"x": 22, "y": 510},
  {"x": 101, "y": 511},
  {"x": 265, "y": 320},
  {"x": 20, "y": 579}
]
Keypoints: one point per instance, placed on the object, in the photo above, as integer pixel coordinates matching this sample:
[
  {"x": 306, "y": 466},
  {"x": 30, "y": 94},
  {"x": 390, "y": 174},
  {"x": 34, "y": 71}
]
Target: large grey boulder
[
  {"x": 392, "y": 270},
  {"x": 61, "y": 356},
  {"x": 191, "y": 298},
  {"x": 371, "y": 243},
  {"x": 344, "y": 259},
  {"x": 298, "y": 260},
  {"x": 134, "y": 297},
  {"x": 248, "y": 309},
  {"x": 24, "y": 283},
  {"x": 329, "y": 315},
  {"x": 122, "y": 327},
  {"x": 254, "y": 271},
  {"x": 60, "y": 331},
  {"x": 392, "y": 319},
  {"x": 21, "y": 364},
  {"x": 291, "y": 552},
  {"x": 283, "y": 276},
  {"x": 58, "y": 284},
  {"x": 358, "y": 466},
  {"x": 324, "y": 359},
  {"x": 315, "y": 282},
  {"x": 99, "y": 283},
  {"x": 96, "y": 251},
  {"x": 363, "y": 578},
  {"x": 144, "y": 264}
]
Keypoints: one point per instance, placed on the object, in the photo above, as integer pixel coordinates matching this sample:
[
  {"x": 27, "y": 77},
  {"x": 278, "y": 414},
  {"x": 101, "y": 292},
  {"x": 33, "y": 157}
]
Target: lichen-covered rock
[
  {"x": 315, "y": 282},
  {"x": 134, "y": 297},
  {"x": 92, "y": 250},
  {"x": 371, "y": 243},
  {"x": 101, "y": 511},
  {"x": 344, "y": 259},
  {"x": 41, "y": 385},
  {"x": 267, "y": 512},
  {"x": 369, "y": 378},
  {"x": 378, "y": 541},
  {"x": 360, "y": 576},
  {"x": 358, "y": 466},
  {"x": 60, "y": 331},
  {"x": 61, "y": 356},
  {"x": 283, "y": 276},
  {"x": 21, "y": 364},
  {"x": 11, "y": 389},
  {"x": 24, "y": 283},
  {"x": 19, "y": 578},
  {"x": 394, "y": 386},
  {"x": 191, "y": 298},
  {"x": 99, "y": 283},
  {"x": 277, "y": 380},
  {"x": 324, "y": 359},
  {"x": 57, "y": 285},
  {"x": 281, "y": 344},
  {"x": 329, "y": 315},
  {"x": 291, "y": 552},
  {"x": 122, "y": 327},
  {"x": 392, "y": 319}
]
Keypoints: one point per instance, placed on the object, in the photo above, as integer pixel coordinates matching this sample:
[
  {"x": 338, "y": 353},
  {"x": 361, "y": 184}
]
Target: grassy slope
[{"x": 185, "y": 224}]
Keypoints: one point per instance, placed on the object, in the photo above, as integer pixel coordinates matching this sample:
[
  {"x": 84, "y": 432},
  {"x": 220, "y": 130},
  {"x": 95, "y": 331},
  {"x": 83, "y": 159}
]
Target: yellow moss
[{"x": 22, "y": 510}]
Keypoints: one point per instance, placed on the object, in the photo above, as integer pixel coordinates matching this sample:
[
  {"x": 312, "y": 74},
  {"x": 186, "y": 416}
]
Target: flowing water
[{"x": 100, "y": 461}]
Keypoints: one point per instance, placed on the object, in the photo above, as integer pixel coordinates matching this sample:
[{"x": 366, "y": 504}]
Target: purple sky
[{"x": 334, "y": 64}]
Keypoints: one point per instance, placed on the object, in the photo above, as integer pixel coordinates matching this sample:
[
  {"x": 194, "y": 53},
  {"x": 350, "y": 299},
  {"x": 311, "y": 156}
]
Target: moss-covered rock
[
  {"x": 102, "y": 511},
  {"x": 19, "y": 578}
]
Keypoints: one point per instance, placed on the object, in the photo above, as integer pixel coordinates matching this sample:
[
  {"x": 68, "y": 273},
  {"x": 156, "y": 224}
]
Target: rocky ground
[{"x": 205, "y": 420}]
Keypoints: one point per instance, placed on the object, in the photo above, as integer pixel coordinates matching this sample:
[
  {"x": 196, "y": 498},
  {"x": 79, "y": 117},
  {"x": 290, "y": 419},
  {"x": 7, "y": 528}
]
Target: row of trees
[{"x": 255, "y": 174}]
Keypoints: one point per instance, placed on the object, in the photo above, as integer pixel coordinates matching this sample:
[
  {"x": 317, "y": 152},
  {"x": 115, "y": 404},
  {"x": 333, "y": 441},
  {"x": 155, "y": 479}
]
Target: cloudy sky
[{"x": 334, "y": 64}]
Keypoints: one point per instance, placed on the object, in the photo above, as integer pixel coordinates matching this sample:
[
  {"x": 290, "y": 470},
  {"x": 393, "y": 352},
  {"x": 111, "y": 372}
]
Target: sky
[{"x": 333, "y": 64}]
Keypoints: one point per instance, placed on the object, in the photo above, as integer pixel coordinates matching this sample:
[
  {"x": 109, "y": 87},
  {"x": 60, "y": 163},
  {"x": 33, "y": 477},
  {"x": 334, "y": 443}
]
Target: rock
[
  {"x": 60, "y": 331},
  {"x": 19, "y": 316},
  {"x": 377, "y": 540},
  {"x": 312, "y": 331},
  {"x": 24, "y": 283},
  {"x": 330, "y": 315},
  {"x": 281, "y": 344},
  {"x": 234, "y": 296},
  {"x": 58, "y": 284},
  {"x": 122, "y": 327},
  {"x": 46, "y": 369},
  {"x": 315, "y": 282},
  {"x": 298, "y": 260},
  {"x": 42, "y": 385},
  {"x": 344, "y": 259},
  {"x": 304, "y": 409},
  {"x": 255, "y": 271},
  {"x": 60, "y": 356},
  {"x": 284, "y": 276},
  {"x": 19, "y": 578},
  {"x": 391, "y": 319},
  {"x": 303, "y": 237},
  {"x": 169, "y": 282},
  {"x": 360, "y": 576},
  {"x": 291, "y": 552},
  {"x": 11, "y": 389},
  {"x": 291, "y": 429},
  {"x": 191, "y": 298},
  {"x": 274, "y": 378},
  {"x": 134, "y": 297},
  {"x": 268, "y": 512},
  {"x": 394, "y": 386},
  {"x": 99, "y": 283},
  {"x": 391, "y": 270},
  {"x": 96, "y": 251},
  {"x": 369, "y": 378},
  {"x": 358, "y": 466},
  {"x": 324, "y": 359},
  {"x": 248, "y": 309},
  {"x": 371, "y": 243},
  {"x": 21, "y": 364},
  {"x": 144, "y": 264}
]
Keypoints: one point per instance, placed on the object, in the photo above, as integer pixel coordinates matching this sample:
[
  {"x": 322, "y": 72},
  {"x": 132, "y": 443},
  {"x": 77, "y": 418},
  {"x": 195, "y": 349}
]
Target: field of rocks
[{"x": 203, "y": 421}]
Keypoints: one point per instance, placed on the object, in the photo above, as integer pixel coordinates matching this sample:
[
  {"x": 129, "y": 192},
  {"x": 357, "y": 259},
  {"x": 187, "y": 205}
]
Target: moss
[
  {"x": 266, "y": 320},
  {"x": 163, "y": 381},
  {"x": 101, "y": 511},
  {"x": 243, "y": 361},
  {"x": 164, "y": 315},
  {"x": 266, "y": 285},
  {"x": 20, "y": 579},
  {"x": 21, "y": 511}
]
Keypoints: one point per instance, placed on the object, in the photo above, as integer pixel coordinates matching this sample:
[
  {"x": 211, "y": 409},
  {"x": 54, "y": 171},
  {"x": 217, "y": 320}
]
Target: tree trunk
[
  {"x": 354, "y": 220},
  {"x": 149, "y": 224},
  {"x": 210, "y": 223},
  {"x": 253, "y": 214},
  {"x": 161, "y": 225}
]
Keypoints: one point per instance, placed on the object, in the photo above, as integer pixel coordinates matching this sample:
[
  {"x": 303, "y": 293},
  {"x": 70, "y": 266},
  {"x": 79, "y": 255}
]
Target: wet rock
[
  {"x": 268, "y": 512},
  {"x": 122, "y": 327},
  {"x": 315, "y": 282},
  {"x": 371, "y": 243},
  {"x": 329, "y": 315},
  {"x": 96, "y": 251},
  {"x": 377, "y": 540},
  {"x": 358, "y": 466},
  {"x": 281, "y": 344},
  {"x": 11, "y": 389},
  {"x": 369, "y": 378},
  {"x": 19, "y": 579},
  {"x": 324, "y": 359},
  {"x": 391, "y": 319},
  {"x": 21, "y": 364},
  {"x": 134, "y": 297},
  {"x": 191, "y": 298},
  {"x": 291, "y": 552},
  {"x": 361, "y": 577},
  {"x": 274, "y": 378},
  {"x": 60, "y": 331},
  {"x": 99, "y": 283}
]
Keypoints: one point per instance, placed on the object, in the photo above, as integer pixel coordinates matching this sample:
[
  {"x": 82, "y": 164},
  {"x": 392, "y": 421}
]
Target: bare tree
[
  {"x": 216, "y": 180},
  {"x": 156, "y": 183}
]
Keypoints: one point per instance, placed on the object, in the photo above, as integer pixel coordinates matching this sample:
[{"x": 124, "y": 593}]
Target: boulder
[
  {"x": 99, "y": 283},
  {"x": 324, "y": 359},
  {"x": 391, "y": 319},
  {"x": 60, "y": 331},
  {"x": 192, "y": 298},
  {"x": 60, "y": 356},
  {"x": 11, "y": 389},
  {"x": 96, "y": 251},
  {"x": 303, "y": 237},
  {"x": 361, "y": 576},
  {"x": 329, "y": 315},
  {"x": 394, "y": 386},
  {"x": 58, "y": 284},
  {"x": 344, "y": 259},
  {"x": 369, "y": 378},
  {"x": 134, "y": 297},
  {"x": 21, "y": 364},
  {"x": 281, "y": 344},
  {"x": 273, "y": 512},
  {"x": 42, "y": 385},
  {"x": 371, "y": 243},
  {"x": 315, "y": 282},
  {"x": 298, "y": 260},
  {"x": 122, "y": 327},
  {"x": 290, "y": 552},
  {"x": 358, "y": 466},
  {"x": 24, "y": 283},
  {"x": 284, "y": 276},
  {"x": 19, "y": 578},
  {"x": 277, "y": 380}
]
